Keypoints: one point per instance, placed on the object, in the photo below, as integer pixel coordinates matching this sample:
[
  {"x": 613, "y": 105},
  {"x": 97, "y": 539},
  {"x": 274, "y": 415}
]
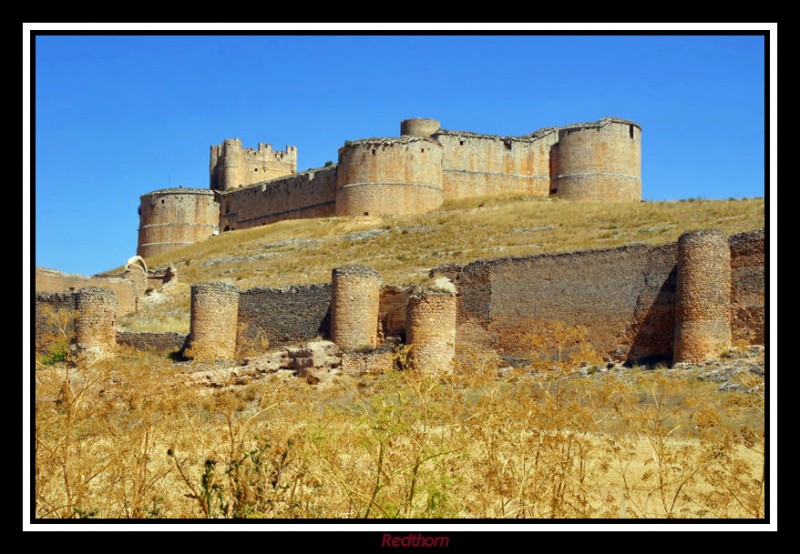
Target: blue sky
[{"x": 118, "y": 116}]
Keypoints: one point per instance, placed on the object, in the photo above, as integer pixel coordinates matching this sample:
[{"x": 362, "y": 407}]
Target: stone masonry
[
  {"x": 95, "y": 326},
  {"x": 431, "y": 330},
  {"x": 214, "y": 320},
  {"x": 413, "y": 173},
  {"x": 703, "y": 296},
  {"x": 354, "y": 310}
]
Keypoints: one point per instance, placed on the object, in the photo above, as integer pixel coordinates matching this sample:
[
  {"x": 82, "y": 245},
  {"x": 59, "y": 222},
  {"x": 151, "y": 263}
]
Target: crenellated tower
[{"x": 232, "y": 166}]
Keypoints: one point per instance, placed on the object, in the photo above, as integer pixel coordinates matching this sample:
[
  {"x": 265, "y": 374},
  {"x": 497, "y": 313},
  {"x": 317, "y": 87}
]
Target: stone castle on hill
[{"x": 413, "y": 173}]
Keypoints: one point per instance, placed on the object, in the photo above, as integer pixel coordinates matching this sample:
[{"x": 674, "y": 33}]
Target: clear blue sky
[{"x": 119, "y": 116}]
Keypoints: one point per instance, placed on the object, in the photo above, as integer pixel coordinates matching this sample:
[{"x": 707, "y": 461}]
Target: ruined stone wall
[
  {"x": 703, "y": 296},
  {"x": 232, "y": 166},
  {"x": 354, "y": 308},
  {"x": 171, "y": 218},
  {"x": 305, "y": 195},
  {"x": 748, "y": 286},
  {"x": 156, "y": 342},
  {"x": 389, "y": 177},
  {"x": 625, "y": 296},
  {"x": 392, "y": 309},
  {"x": 213, "y": 322},
  {"x": 126, "y": 289},
  {"x": 431, "y": 330},
  {"x": 95, "y": 326},
  {"x": 599, "y": 161},
  {"x": 285, "y": 315},
  {"x": 485, "y": 165},
  {"x": 51, "y": 311}
]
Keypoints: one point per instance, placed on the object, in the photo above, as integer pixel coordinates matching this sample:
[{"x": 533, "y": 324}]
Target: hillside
[{"x": 404, "y": 248}]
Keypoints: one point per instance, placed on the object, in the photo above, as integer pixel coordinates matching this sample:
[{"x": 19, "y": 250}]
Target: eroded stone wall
[
  {"x": 703, "y": 296},
  {"x": 284, "y": 315},
  {"x": 156, "y": 342},
  {"x": 748, "y": 286},
  {"x": 305, "y": 195},
  {"x": 354, "y": 311},
  {"x": 214, "y": 321},
  {"x": 53, "y": 316},
  {"x": 95, "y": 326},
  {"x": 431, "y": 330},
  {"x": 172, "y": 218}
]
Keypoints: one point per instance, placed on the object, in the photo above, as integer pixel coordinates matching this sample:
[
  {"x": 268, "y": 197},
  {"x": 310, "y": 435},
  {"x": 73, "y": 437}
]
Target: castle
[{"x": 413, "y": 173}]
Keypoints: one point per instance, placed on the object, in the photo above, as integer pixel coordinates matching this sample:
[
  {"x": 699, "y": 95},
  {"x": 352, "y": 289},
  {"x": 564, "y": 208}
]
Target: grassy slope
[{"x": 403, "y": 249}]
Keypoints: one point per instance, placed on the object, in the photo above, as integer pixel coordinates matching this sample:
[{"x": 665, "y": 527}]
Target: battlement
[{"x": 233, "y": 166}]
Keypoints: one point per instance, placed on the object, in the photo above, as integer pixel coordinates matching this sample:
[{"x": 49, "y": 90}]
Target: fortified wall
[
  {"x": 684, "y": 301},
  {"x": 413, "y": 173}
]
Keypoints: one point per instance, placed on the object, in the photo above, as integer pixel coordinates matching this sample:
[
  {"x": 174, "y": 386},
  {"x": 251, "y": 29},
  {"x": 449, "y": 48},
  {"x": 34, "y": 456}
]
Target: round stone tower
[
  {"x": 171, "y": 218},
  {"x": 599, "y": 161},
  {"x": 214, "y": 321},
  {"x": 95, "y": 326},
  {"x": 431, "y": 330},
  {"x": 389, "y": 176},
  {"x": 419, "y": 127},
  {"x": 354, "y": 308},
  {"x": 703, "y": 296}
]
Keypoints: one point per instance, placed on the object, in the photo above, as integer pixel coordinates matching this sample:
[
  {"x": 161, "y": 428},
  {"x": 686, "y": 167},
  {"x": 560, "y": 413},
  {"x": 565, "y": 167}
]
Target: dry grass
[
  {"x": 403, "y": 249},
  {"x": 123, "y": 438}
]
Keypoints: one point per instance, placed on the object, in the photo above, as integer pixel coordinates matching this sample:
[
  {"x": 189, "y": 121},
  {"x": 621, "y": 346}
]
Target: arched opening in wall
[
  {"x": 373, "y": 152},
  {"x": 630, "y": 130},
  {"x": 162, "y": 200},
  {"x": 366, "y": 213}
]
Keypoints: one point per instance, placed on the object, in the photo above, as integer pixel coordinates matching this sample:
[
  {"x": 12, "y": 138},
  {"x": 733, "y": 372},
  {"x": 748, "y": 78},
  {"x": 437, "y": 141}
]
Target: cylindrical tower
[
  {"x": 171, "y": 218},
  {"x": 355, "y": 306},
  {"x": 599, "y": 161},
  {"x": 419, "y": 127},
  {"x": 214, "y": 321},
  {"x": 431, "y": 330},
  {"x": 232, "y": 164},
  {"x": 389, "y": 176},
  {"x": 95, "y": 326},
  {"x": 703, "y": 296}
]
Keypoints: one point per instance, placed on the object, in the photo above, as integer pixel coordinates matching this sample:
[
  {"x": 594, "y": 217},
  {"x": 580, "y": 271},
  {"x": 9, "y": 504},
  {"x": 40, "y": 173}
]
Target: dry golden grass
[
  {"x": 403, "y": 249},
  {"x": 128, "y": 440}
]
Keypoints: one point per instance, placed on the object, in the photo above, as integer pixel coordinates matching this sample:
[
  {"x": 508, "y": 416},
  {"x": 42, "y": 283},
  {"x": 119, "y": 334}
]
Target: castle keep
[{"x": 413, "y": 173}]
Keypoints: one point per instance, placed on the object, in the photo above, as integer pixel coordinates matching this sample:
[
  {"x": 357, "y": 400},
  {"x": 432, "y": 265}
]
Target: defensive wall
[
  {"x": 683, "y": 301},
  {"x": 413, "y": 173}
]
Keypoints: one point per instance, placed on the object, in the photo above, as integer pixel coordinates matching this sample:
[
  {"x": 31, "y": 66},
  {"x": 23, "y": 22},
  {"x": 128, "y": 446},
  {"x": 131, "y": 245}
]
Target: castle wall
[
  {"x": 431, "y": 329},
  {"x": 156, "y": 342},
  {"x": 172, "y": 218},
  {"x": 599, "y": 161},
  {"x": 389, "y": 177},
  {"x": 748, "y": 286},
  {"x": 624, "y": 296},
  {"x": 232, "y": 166},
  {"x": 285, "y": 315},
  {"x": 484, "y": 165},
  {"x": 306, "y": 195},
  {"x": 95, "y": 331}
]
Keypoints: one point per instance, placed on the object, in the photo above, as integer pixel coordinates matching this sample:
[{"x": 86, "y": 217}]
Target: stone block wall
[
  {"x": 431, "y": 330},
  {"x": 172, "y": 218},
  {"x": 285, "y": 315},
  {"x": 306, "y": 195},
  {"x": 95, "y": 326},
  {"x": 748, "y": 286}
]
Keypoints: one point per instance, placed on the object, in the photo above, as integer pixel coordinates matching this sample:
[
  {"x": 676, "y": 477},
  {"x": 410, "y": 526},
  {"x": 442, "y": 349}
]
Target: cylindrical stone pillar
[
  {"x": 703, "y": 296},
  {"x": 95, "y": 330},
  {"x": 214, "y": 321},
  {"x": 354, "y": 308},
  {"x": 431, "y": 330}
]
